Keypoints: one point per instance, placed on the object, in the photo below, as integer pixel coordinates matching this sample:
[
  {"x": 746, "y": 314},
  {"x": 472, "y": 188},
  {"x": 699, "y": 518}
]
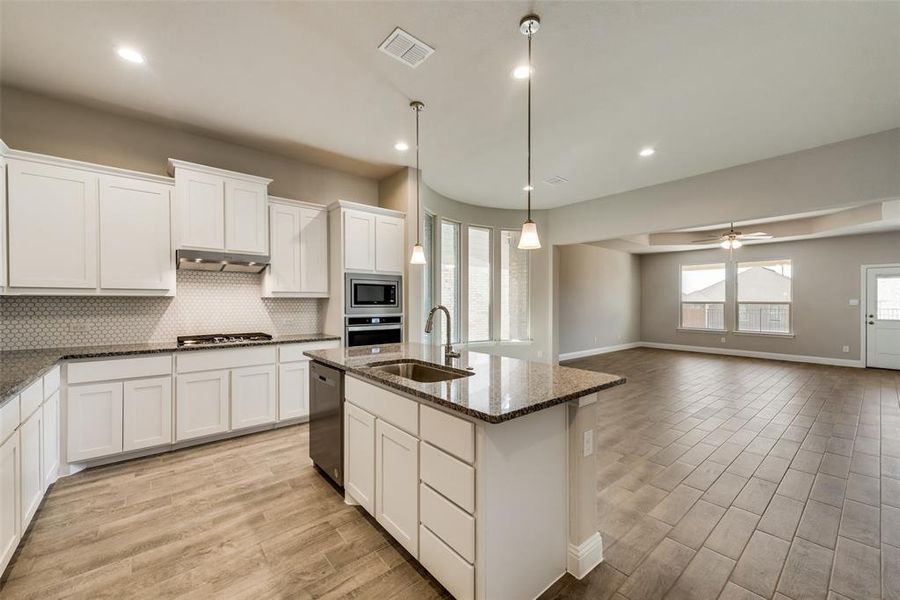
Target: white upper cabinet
[
  {"x": 135, "y": 243},
  {"x": 284, "y": 274},
  {"x": 359, "y": 241},
  {"x": 313, "y": 250},
  {"x": 373, "y": 242},
  {"x": 2, "y": 219},
  {"x": 388, "y": 244},
  {"x": 220, "y": 210},
  {"x": 299, "y": 250},
  {"x": 52, "y": 226}
]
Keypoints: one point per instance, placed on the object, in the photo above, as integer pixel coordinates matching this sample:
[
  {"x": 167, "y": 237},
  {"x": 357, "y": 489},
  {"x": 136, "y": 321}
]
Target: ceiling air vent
[
  {"x": 405, "y": 48},
  {"x": 556, "y": 180}
]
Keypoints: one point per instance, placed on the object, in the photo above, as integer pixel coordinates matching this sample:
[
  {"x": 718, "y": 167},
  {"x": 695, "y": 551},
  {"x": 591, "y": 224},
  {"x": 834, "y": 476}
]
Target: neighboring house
[{"x": 763, "y": 303}]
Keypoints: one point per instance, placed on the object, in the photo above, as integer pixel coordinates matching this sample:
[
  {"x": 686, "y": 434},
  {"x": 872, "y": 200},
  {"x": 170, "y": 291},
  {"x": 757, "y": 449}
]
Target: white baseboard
[
  {"x": 602, "y": 350},
  {"x": 821, "y": 360},
  {"x": 582, "y": 559}
]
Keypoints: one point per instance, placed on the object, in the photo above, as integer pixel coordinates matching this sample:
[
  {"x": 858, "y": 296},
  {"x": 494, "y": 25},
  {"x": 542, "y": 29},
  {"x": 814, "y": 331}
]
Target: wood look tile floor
[{"x": 719, "y": 477}]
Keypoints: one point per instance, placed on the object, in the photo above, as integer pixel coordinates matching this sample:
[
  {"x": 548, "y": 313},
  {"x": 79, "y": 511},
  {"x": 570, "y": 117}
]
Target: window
[
  {"x": 887, "y": 296},
  {"x": 428, "y": 267},
  {"x": 450, "y": 273},
  {"x": 479, "y": 281},
  {"x": 514, "y": 288},
  {"x": 764, "y": 296},
  {"x": 703, "y": 296}
]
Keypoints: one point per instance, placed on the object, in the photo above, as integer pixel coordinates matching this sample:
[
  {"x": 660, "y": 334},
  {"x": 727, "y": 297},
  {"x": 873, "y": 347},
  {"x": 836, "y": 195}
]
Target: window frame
[
  {"x": 680, "y": 305},
  {"x": 735, "y": 265}
]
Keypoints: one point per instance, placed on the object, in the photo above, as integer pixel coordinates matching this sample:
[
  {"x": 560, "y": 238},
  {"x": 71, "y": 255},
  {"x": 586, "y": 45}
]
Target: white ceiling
[{"x": 709, "y": 84}]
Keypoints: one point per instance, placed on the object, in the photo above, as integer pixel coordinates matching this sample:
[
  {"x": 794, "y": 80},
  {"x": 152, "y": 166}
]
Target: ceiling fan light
[
  {"x": 418, "y": 255},
  {"x": 726, "y": 244},
  {"x": 736, "y": 244},
  {"x": 529, "y": 239}
]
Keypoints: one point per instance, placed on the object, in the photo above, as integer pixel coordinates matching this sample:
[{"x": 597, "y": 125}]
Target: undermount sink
[{"x": 421, "y": 372}]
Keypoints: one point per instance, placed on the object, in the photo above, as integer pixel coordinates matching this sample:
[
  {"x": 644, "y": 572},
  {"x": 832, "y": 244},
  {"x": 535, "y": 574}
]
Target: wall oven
[
  {"x": 367, "y": 294},
  {"x": 370, "y": 331}
]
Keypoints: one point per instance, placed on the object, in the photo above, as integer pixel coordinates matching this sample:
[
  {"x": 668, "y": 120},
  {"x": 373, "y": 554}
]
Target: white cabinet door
[
  {"x": 135, "y": 247},
  {"x": 201, "y": 404},
  {"x": 200, "y": 198},
  {"x": 94, "y": 420},
  {"x": 246, "y": 217},
  {"x": 359, "y": 241},
  {"x": 147, "y": 413},
  {"x": 293, "y": 391},
  {"x": 359, "y": 478},
  {"x": 285, "y": 248},
  {"x": 51, "y": 439},
  {"x": 2, "y": 226},
  {"x": 31, "y": 434},
  {"x": 388, "y": 244},
  {"x": 9, "y": 499},
  {"x": 52, "y": 225},
  {"x": 253, "y": 396},
  {"x": 397, "y": 484},
  {"x": 313, "y": 251}
]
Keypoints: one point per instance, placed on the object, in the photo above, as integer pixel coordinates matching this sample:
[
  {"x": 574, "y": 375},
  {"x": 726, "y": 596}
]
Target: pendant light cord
[
  {"x": 529, "y": 124},
  {"x": 418, "y": 210}
]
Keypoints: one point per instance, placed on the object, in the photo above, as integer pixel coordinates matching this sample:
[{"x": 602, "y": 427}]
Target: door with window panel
[{"x": 883, "y": 317}]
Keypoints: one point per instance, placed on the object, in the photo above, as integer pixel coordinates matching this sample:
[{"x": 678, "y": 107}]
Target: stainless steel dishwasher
[{"x": 326, "y": 420}]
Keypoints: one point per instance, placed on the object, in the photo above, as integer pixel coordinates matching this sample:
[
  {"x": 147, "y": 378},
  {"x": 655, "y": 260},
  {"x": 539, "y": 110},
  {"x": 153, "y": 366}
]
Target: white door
[
  {"x": 359, "y": 241},
  {"x": 95, "y": 420},
  {"x": 52, "y": 225},
  {"x": 135, "y": 247},
  {"x": 883, "y": 317},
  {"x": 293, "y": 390},
  {"x": 9, "y": 499},
  {"x": 31, "y": 444},
  {"x": 246, "y": 217},
  {"x": 313, "y": 251},
  {"x": 285, "y": 248},
  {"x": 201, "y": 404},
  {"x": 359, "y": 478},
  {"x": 147, "y": 408},
  {"x": 253, "y": 396},
  {"x": 389, "y": 244},
  {"x": 200, "y": 198},
  {"x": 51, "y": 439},
  {"x": 397, "y": 484}
]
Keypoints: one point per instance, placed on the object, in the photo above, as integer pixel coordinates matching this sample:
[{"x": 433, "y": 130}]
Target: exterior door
[{"x": 883, "y": 317}]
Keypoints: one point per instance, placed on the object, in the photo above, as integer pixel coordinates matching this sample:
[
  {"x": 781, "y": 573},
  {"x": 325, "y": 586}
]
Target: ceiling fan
[{"x": 732, "y": 239}]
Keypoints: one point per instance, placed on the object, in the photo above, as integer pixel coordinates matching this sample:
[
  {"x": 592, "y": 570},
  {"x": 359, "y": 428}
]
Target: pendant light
[
  {"x": 418, "y": 252},
  {"x": 529, "y": 239}
]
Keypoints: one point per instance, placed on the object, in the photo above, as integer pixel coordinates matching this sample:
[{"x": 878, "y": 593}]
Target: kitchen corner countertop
[
  {"x": 19, "y": 368},
  {"x": 500, "y": 388}
]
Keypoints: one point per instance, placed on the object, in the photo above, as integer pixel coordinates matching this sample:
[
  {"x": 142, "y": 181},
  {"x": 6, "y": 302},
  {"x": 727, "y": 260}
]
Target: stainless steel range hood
[{"x": 203, "y": 260}]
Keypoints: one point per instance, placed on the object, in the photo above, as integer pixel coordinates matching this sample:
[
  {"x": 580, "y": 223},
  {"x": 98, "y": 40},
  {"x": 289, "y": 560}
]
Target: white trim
[
  {"x": 601, "y": 350},
  {"x": 377, "y": 210},
  {"x": 681, "y": 329},
  {"x": 765, "y": 333},
  {"x": 581, "y": 559},
  {"x": 292, "y": 202},
  {"x": 822, "y": 360},
  {"x": 174, "y": 164},
  {"x": 46, "y": 159}
]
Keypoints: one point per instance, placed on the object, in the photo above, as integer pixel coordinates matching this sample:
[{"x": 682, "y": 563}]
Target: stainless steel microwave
[{"x": 367, "y": 294}]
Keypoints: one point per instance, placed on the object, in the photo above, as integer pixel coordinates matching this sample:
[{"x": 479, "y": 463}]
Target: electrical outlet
[
  {"x": 845, "y": 349},
  {"x": 588, "y": 443},
  {"x": 722, "y": 340}
]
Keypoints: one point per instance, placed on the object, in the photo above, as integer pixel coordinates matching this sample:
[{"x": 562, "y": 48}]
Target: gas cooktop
[{"x": 222, "y": 338}]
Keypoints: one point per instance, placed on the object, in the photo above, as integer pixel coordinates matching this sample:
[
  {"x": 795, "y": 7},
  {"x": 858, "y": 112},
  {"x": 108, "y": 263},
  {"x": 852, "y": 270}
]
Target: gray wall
[
  {"x": 826, "y": 275},
  {"x": 50, "y": 126},
  {"x": 599, "y": 298}
]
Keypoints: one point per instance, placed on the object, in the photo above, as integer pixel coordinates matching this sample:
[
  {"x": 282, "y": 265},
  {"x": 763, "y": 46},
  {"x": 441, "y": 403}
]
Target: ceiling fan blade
[
  {"x": 756, "y": 236},
  {"x": 710, "y": 240}
]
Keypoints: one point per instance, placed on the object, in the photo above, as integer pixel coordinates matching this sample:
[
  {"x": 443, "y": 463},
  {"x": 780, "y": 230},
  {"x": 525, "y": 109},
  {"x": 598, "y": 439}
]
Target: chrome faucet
[{"x": 449, "y": 352}]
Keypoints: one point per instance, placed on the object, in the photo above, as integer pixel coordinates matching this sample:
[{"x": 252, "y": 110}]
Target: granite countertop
[
  {"x": 19, "y": 368},
  {"x": 500, "y": 388}
]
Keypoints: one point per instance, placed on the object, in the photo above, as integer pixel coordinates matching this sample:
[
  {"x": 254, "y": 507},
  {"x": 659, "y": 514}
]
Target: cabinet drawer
[
  {"x": 454, "y": 479},
  {"x": 449, "y": 433},
  {"x": 32, "y": 398},
  {"x": 449, "y": 568},
  {"x": 120, "y": 368},
  {"x": 454, "y": 526},
  {"x": 51, "y": 382},
  {"x": 209, "y": 360},
  {"x": 294, "y": 352},
  {"x": 9, "y": 418},
  {"x": 393, "y": 408}
]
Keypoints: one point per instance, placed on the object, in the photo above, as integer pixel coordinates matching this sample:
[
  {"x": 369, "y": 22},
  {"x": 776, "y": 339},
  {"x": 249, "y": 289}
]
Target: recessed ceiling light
[
  {"x": 647, "y": 152},
  {"x": 130, "y": 54},
  {"x": 401, "y": 146},
  {"x": 522, "y": 72}
]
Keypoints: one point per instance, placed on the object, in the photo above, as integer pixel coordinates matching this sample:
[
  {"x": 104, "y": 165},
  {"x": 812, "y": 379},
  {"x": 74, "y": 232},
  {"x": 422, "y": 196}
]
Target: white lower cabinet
[
  {"x": 95, "y": 420},
  {"x": 202, "y": 404},
  {"x": 31, "y": 434},
  {"x": 51, "y": 439},
  {"x": 147, "y": 413},
  {"x": 449, "y": 568},
  {"x": 293, "y": 391},
  {"x": 359, "y": 476},
  {"x": 397, "y": 484},
  {"x": 9, "y": 499},
  {"x": 253, "y": 397}
]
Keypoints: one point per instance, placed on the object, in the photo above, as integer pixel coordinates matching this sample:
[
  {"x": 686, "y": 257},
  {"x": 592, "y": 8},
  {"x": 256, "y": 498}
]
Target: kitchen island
[{"x": 483, "y": 469}]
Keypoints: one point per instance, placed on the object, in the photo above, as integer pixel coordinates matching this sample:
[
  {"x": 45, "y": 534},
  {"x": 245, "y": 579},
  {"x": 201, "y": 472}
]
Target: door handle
[{"x": 871, "y": 322}]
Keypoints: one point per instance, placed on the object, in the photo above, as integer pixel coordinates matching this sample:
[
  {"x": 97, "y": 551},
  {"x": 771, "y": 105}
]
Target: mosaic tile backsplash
[{"x": 204, "y": 303}]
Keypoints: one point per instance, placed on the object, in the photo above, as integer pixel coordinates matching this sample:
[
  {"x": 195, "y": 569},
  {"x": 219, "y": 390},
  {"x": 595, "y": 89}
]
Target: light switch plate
[
  {"x": 854, "y": 301},
  {"x": 588, "y": 443}
]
